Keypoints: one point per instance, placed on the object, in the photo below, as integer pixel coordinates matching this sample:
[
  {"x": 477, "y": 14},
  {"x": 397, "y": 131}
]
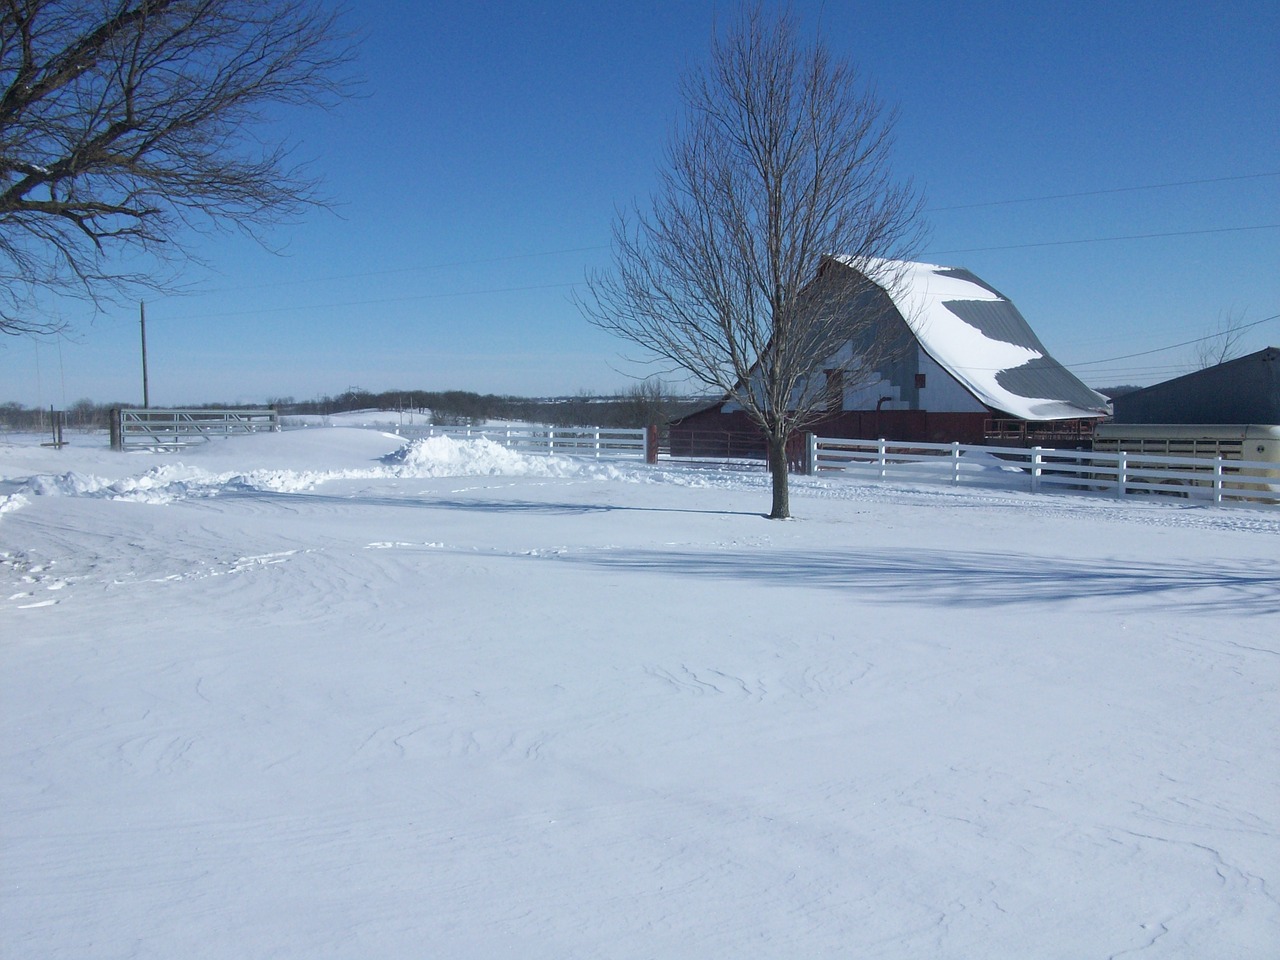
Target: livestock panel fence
[
  {"x": 1215, "y": 479},
  {"x": 148, "y": 429}
]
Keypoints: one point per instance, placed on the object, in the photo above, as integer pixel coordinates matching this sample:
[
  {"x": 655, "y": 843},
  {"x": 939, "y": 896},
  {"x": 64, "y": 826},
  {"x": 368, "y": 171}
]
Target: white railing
[
  {"x": 147, "y": 428},
  {"x": 598, "y": 442},
  {"x": 1212, "y": 479}
]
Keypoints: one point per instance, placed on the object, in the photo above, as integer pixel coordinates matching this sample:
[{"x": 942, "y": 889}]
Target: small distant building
[
  {"x": 1241, "y": 391},
  {"x": 967, "y": 367}
]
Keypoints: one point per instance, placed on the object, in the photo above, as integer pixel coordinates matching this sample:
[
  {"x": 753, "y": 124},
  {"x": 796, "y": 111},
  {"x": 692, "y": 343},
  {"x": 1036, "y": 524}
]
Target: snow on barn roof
[{"x": 978, "y": 336}]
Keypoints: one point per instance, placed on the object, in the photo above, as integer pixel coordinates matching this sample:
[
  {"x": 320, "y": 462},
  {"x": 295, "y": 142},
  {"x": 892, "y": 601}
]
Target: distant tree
[
  {"x": 782, "y": 159},
  {"x": 648, "y": 403},
  {"x": 1223, "y": 343},
  {"x": 85, "y": 414},
  {"x": 125, "y": 122}
]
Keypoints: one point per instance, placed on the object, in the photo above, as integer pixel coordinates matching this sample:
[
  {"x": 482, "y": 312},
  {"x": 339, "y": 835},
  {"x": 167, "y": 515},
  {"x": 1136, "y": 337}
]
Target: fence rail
[
  {"x": 598, "y": 442},
  {"x": 150, "y": 428},
  {"x": 1212, "y": 479}
]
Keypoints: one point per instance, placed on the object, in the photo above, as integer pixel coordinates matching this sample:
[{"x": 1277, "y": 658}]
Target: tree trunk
[{"x": 781, "y": 478}]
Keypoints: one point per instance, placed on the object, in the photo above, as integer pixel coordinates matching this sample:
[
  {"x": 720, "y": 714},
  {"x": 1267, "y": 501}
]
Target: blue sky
[{"x": 477, "y": 175}]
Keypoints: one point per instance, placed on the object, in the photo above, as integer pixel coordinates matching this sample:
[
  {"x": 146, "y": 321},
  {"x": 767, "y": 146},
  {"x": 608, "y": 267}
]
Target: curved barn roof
[{"x": 978, "y": 336}]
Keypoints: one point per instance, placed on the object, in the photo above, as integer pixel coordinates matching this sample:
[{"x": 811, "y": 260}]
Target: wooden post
[
  {"x": 142, "y": 321},
  {"x": 651, "y": 443}
]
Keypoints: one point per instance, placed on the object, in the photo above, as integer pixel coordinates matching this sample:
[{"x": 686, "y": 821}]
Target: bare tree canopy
[
  {"x": 781, "y": 160},
  {"x": 1224, "y": 343},
  {"x": 123, "y": 123}
]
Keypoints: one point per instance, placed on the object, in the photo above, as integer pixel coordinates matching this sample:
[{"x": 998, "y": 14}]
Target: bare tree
[
  {"x": 781, "y": 160},
  {"x": 1224, "y": 343},
  {"x": 125, "y": 122}
]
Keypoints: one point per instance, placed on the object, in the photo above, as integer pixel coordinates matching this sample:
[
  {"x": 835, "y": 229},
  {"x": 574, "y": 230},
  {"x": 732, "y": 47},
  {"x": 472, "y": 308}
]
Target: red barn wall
[{"x": 699, "y": 430}]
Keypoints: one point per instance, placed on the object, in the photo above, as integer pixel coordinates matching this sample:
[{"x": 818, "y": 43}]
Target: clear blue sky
[{"x": 477, "y": 177}]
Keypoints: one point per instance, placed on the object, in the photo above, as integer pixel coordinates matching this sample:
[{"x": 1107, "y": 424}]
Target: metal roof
[{"x": 978, "y": 336}]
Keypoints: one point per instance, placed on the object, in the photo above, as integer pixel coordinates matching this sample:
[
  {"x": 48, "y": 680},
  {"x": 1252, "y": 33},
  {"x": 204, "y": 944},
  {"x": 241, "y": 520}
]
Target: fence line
[
  {"x": 1212, "y": 479},
  {"x": 614, "y": 443},
  {"x": 146, "y": 428},
  {"x": 1215, "y": 480}
]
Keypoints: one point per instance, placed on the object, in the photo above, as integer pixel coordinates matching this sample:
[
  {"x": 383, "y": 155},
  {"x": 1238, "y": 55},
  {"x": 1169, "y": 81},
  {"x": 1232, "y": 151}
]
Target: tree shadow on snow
[
  {"x": 565, "y": 509},
  {"x": 478, "y": 505},
  {"x": 973, "y": 579}
]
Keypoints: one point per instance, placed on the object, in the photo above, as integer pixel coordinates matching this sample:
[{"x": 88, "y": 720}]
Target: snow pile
[
  {"x": 12, "y": 501},
  {"x": 421, "y": 459},
  {"x": 481, "y": 457},
  {"x": 165, "y": 484}
]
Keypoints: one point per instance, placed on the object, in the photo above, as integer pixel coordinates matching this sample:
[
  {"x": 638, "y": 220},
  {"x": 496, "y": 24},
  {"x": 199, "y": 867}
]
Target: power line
[
  {"x": 1133, "y": 236},
  {"x": 367, "y": 303},
  {"x": 1174, "y": 346},
  {"x": 1099, "y": 193},
  {"x": 967, "y": 206},
  {"x": 415, "y": 269}
]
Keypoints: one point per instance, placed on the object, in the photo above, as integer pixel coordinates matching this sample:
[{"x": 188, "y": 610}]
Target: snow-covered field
[{"x": 301, "y": 695}]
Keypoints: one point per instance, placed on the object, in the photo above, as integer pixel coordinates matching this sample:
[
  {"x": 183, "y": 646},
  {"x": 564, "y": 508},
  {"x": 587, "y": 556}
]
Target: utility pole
[{"x": 142, "y": 319}]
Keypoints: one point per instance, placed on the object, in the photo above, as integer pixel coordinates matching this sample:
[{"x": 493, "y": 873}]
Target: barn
[
  {"x": 1244, "y": 390},
  {"x": 966, "y": 366}
]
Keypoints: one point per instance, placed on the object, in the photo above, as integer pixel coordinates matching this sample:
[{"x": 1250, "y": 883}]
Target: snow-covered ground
[{"x": 314, "y": 695}]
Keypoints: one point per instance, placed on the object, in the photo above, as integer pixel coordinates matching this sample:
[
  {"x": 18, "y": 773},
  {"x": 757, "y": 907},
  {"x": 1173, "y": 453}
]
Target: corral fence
[
  {"x": 145, "y": 429},
  {"x": 1037, "y": 469},
  {"x": 1210, "y": 479},
  {"x": 729, "y": 448},
  {"x": 597, "y": 442}
]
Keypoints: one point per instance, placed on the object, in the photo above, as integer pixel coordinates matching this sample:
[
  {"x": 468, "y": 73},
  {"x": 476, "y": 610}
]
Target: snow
[
  {"x": 318, "y": 694},
  {"x": 922, "y": 292}
]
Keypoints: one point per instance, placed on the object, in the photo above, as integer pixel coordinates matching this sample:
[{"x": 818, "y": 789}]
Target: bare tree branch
[
  {"x": 124, "y": 123},
  {"x": 1224, "y": 343},
  {"x": 781, "y": 161}
]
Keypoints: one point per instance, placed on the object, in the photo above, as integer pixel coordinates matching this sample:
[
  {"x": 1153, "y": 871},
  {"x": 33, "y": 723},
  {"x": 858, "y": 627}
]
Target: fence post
[
  {"x": 597, "y": 443},
  {"x": 955, "y": 461},
  {"x": 117, "y": 437},
  {"x": 811, "y": 454},
  {"x": 1037, "y": 462},
  {"x": 651, "y": 443},
  {"x": 551, "y": 439},
  {"x": 880, "y": 454},
  {"x": 1122, "y": 472},
  {"x": 1217, "y": 481}
]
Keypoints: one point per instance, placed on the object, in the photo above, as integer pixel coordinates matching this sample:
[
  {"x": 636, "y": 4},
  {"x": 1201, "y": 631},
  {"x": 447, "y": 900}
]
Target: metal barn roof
[{"x": 978, "y": 336}]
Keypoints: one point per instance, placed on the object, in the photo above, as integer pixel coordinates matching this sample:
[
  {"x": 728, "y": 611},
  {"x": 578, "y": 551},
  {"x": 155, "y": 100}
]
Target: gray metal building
[{"x": 1245, "y": 390}]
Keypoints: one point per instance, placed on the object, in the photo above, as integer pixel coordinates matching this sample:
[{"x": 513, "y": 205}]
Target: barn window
[{"x": 920, "y": 381}]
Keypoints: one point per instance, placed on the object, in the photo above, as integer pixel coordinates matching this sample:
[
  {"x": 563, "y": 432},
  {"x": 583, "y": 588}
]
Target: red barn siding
[{"x": 710, "y": 433}]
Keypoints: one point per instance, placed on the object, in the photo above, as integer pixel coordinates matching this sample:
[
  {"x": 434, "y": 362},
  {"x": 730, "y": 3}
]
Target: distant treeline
[
  {"x": 645, "y": 404},
  {"x": 642, "y": 405},
  {"x": 81, "y": 415}
]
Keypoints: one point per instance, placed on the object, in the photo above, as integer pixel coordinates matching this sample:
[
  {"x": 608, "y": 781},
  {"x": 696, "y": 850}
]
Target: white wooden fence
[
  {"x": 1215, "y": 480},
  {"x": 598, "y": 442}
]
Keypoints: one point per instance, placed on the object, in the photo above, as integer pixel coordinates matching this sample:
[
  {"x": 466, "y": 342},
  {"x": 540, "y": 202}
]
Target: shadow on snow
[{"x": 970, "y": 579}]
